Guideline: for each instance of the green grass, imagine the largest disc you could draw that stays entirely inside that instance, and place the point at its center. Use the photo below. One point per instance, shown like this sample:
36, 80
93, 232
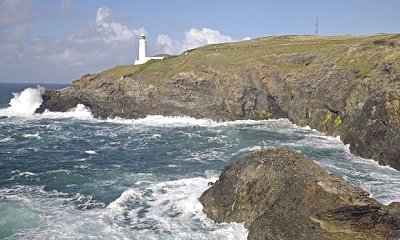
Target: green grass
358, 53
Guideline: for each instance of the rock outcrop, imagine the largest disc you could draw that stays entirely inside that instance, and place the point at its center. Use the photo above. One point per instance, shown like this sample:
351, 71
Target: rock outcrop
280, 194
347, 86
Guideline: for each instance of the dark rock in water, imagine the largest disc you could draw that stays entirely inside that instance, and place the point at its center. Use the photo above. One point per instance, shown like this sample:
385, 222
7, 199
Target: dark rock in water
280, 194
343, 85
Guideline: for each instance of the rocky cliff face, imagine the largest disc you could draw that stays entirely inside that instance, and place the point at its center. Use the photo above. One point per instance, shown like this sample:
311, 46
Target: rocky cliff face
347, 86
280, 194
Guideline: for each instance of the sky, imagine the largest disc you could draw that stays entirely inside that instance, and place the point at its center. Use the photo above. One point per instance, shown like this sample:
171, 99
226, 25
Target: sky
58, 41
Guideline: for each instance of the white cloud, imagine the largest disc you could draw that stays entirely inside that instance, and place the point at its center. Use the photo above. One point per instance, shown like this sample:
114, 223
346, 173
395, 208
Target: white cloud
14, 11
168, 45
197, 37
246, 38
114, 31
105, 41
102, 43
193, 38
102, 13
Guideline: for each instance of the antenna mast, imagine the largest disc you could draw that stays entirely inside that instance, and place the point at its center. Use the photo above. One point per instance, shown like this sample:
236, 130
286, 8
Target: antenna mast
316, 26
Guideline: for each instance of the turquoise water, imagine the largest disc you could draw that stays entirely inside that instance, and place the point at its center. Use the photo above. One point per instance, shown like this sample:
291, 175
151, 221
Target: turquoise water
68, 175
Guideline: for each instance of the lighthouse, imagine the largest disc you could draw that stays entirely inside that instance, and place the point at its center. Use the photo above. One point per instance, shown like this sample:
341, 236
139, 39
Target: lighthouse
142, 56
142, 50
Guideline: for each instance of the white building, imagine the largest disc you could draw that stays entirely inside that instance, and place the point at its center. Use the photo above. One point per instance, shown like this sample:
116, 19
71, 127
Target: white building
143, 58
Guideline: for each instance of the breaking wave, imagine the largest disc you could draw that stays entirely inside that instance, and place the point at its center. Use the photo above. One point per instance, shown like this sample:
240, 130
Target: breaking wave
79, 112
24, 103
185, 121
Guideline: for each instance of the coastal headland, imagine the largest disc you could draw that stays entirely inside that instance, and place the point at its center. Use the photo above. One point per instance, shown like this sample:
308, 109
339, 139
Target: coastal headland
340, 85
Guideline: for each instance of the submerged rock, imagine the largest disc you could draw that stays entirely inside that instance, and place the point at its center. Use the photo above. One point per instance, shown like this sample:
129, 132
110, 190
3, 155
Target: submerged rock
280, 194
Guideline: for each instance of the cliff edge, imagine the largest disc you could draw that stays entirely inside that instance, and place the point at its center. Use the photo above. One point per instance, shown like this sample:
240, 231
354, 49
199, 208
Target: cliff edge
344, 85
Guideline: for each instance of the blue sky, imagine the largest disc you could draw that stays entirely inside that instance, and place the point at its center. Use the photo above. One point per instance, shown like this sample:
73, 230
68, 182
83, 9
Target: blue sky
60, 40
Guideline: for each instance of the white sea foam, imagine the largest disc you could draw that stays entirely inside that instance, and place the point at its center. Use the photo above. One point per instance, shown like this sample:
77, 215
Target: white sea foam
182, 121
171, 208
56, 219
91, 152
82, 166
36, 135
250, 149
27, 174
155, 136
172, 165
163, 121
59, 171
204, 156
119, 205
18, 174
24, 103
6, 139
79, 112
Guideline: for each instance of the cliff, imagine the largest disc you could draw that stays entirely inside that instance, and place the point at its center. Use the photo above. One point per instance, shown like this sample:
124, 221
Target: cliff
346, 85
280, 194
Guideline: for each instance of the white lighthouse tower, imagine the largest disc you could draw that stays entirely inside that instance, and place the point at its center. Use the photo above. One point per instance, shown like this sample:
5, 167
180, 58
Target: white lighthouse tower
143, 58
142, 50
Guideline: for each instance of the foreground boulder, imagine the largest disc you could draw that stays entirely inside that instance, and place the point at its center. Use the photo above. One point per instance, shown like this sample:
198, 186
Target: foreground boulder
280, 194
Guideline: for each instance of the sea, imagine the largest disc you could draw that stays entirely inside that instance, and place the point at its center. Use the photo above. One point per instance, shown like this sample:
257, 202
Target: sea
71, 176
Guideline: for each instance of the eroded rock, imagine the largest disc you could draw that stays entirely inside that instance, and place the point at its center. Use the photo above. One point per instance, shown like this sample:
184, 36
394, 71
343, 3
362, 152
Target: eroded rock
280, 194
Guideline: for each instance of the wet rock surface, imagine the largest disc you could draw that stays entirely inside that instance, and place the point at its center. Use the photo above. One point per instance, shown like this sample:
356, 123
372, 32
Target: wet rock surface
280, 194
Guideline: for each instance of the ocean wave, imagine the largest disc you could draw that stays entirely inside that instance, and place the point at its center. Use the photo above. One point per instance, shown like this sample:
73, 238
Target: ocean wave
53, 214
185, 121
164, 121
24, 103
80, 112
36, 135
17, 174
6, 139
91, 152
150, 210
170, 208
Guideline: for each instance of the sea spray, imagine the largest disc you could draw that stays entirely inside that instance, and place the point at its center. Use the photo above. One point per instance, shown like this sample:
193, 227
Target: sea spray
79, 112
26, 102
185, 121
